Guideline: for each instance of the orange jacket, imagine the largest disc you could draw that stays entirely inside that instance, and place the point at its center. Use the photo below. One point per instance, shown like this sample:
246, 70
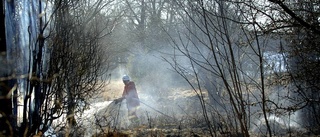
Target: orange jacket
131, 95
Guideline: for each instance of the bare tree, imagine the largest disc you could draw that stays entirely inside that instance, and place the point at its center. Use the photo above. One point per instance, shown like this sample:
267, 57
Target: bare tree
229, 54
78, 57
226, 54
302, 53
65, 67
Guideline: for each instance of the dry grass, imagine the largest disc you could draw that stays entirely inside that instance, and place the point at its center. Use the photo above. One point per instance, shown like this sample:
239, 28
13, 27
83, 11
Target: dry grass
113, 90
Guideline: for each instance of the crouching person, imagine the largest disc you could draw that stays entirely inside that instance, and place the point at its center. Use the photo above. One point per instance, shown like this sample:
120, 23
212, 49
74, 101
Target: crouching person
131, 96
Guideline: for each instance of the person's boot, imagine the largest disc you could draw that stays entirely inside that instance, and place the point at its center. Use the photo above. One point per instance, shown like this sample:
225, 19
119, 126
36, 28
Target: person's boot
134, 121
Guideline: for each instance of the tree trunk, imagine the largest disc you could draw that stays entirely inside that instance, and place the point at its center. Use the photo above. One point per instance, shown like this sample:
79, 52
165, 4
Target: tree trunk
5, 97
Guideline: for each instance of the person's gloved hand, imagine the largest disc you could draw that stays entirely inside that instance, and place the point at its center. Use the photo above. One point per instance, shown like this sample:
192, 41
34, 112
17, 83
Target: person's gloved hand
116, 101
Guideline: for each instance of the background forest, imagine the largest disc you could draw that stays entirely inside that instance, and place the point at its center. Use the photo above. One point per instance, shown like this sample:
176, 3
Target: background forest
202, 67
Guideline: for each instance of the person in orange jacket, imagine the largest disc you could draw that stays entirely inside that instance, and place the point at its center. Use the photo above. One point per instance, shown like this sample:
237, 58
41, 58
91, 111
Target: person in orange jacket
131, 96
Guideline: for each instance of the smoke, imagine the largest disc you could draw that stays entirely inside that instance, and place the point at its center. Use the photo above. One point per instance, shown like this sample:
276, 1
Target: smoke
159, 86
154, 77
280, 125
281, 121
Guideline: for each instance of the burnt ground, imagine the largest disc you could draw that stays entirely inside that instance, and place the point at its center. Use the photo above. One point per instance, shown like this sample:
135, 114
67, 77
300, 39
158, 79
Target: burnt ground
176, 114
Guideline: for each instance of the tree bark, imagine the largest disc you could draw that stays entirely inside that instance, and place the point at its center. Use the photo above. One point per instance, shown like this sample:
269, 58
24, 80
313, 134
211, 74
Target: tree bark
5, 97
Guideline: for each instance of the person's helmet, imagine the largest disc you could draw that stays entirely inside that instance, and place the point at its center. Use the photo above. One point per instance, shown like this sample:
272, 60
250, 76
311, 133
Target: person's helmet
125, 78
